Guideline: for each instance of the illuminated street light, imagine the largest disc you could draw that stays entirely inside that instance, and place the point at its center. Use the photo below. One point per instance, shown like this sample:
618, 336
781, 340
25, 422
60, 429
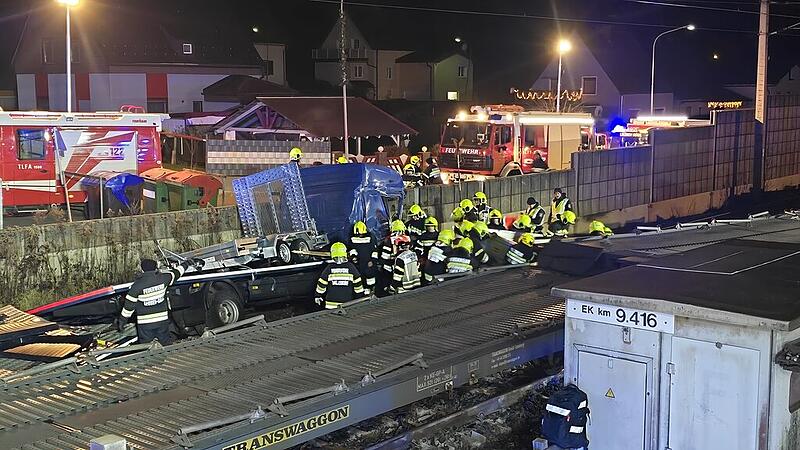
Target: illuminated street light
69, 4
689, 27
563, 47
255, 29
715, 56
457, 39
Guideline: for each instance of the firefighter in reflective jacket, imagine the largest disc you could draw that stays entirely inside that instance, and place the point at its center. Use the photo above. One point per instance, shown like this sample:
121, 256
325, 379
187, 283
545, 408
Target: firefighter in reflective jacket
597, 228
364, 254
405, 274
295, 155
537, 214
479, 232
147, 298
432, 173
428, 238
460, 259
522, 252
470, 213
386, 255
481, 205
464, 228
411, 176
416, 221
457, 215
496, 220
561, 227
340, 282
559, 206
436, 264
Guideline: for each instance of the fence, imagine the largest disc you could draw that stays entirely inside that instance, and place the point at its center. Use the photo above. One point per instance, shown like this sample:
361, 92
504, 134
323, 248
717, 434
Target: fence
782, 155
240, 157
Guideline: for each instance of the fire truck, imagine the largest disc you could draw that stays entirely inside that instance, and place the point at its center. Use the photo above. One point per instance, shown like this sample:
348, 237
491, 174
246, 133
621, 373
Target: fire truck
502, 140
41, 152
637, 131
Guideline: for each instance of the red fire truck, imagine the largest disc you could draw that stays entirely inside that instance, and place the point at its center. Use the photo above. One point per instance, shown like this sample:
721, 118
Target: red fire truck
40, 152
502, 140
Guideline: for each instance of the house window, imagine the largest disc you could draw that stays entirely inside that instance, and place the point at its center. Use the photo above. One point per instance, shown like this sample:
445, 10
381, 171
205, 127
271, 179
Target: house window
188, 49
47, 51
157, 106
389, 73
589, 85
269, 67
197, 106
358, 71
452, 95
356, 43
462, 71
30, 144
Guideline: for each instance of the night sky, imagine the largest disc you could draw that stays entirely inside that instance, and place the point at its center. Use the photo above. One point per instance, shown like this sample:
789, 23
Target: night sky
510, 40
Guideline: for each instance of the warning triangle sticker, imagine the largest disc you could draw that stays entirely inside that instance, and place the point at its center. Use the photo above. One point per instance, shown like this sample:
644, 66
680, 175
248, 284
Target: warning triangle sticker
610, 393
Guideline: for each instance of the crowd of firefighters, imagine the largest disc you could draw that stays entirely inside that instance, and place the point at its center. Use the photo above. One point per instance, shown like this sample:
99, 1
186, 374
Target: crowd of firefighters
417, 251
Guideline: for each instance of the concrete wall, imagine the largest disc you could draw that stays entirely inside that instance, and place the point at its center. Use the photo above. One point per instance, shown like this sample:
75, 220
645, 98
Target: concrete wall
613, 179
241, 157
39, 264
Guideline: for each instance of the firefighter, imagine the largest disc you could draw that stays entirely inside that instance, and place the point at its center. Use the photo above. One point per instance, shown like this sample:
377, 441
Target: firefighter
460, 259
147, 298
417, 163
426, 240
342, 160
559, 206
522, 224
340, 282
537, 214
405, 273
364, 254
415, 225
432, 173
387, 254
464, 228
479, 232
469, 210
597, 228
295, 155
457, 215
496, 220
481, 205
436, 264
523, 251
411, 176
561, 227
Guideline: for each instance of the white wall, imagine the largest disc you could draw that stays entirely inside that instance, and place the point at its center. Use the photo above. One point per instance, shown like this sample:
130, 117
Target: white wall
100, 92
57, 91
276, 54
183, 89
26, 91
125, 89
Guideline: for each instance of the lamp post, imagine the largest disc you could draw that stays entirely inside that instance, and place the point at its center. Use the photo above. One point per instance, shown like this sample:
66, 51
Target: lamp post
69, 4
563, 47
689, 27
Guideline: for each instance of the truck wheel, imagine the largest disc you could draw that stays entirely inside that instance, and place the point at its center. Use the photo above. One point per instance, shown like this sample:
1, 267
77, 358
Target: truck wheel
302, 246
224, 308
513, 173
284, 252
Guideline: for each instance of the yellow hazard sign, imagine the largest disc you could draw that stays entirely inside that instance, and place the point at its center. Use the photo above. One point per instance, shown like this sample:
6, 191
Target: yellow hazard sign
610, 393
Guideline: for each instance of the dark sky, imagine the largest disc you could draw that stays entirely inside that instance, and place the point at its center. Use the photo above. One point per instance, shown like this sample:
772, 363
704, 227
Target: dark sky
509, 40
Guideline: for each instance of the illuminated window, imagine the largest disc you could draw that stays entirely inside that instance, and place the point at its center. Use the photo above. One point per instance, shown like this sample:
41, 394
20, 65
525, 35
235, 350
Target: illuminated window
358, 71
589, 85
452, 95
187, 49
462, 71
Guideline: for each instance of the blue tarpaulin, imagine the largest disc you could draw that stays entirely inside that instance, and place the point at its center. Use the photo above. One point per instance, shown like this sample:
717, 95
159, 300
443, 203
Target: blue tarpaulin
116, 183
340, 195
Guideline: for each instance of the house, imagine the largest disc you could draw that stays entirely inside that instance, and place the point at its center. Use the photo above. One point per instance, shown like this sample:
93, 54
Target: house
382, 65
123, 55
608, 85
273, 59
235, 90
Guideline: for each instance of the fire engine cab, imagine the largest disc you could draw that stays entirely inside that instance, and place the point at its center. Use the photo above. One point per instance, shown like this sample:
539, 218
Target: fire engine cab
40, 152
503, 140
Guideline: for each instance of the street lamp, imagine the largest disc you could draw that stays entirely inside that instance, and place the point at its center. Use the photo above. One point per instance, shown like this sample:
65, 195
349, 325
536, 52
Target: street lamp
457, 39
69, 4
689, 27
563, 47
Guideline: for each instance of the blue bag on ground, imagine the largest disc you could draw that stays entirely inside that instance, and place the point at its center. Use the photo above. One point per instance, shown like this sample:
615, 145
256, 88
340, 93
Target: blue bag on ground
564, 421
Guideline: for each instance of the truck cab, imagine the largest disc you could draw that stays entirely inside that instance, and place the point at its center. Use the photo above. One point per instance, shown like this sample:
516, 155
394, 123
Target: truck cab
504, 140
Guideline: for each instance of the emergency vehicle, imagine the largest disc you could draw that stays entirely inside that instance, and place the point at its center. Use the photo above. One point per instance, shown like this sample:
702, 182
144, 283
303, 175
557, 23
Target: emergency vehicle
40, 152
637, 131
502, 140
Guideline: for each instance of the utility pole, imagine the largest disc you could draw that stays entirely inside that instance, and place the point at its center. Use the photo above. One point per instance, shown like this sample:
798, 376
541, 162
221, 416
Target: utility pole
346, 137
761, 97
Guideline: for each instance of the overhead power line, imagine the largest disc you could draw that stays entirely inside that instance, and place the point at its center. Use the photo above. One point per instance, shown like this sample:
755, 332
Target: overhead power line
521, 16
706, 8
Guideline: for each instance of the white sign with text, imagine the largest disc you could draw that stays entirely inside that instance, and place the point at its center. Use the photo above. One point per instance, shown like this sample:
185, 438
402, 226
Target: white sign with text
624, 317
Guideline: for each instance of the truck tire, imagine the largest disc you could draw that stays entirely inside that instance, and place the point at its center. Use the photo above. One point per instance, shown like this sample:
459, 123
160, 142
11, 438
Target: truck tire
301, 245
224, 306
284, 252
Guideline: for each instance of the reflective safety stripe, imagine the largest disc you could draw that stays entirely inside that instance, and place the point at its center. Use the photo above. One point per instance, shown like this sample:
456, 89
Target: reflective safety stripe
131, 298
370, 281
557, 410
514, 256
332, 305
153, 318
576, 429
359, 240
583, 405
127, 313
